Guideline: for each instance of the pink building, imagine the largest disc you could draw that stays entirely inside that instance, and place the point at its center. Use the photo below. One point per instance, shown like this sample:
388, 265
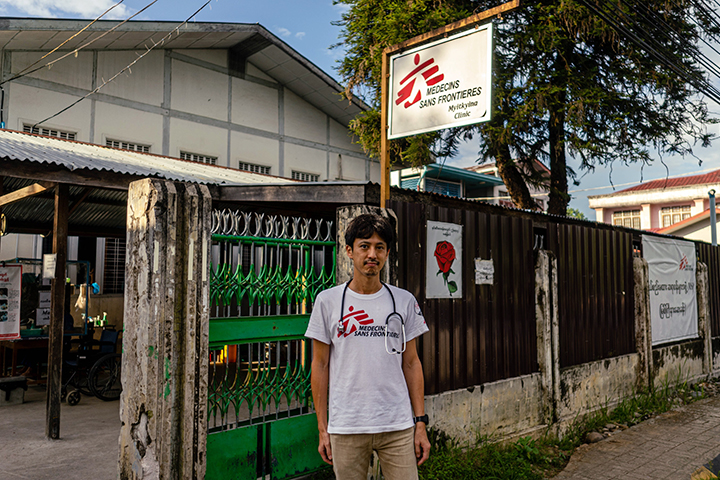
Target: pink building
677, 206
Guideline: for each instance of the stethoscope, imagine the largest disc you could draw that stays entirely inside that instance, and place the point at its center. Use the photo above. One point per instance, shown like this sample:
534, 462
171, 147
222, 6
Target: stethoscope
393, 316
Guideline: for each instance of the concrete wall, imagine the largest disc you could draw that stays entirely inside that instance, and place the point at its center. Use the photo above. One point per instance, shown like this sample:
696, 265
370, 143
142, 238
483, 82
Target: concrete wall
185, 100
553, 397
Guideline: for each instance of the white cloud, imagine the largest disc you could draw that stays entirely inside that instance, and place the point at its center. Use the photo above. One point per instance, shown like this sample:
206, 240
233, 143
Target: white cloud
59, 8
341, 8
299, 35
284, 32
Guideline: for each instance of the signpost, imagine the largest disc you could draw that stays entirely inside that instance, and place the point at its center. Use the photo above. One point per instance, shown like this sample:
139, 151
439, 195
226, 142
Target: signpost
436, 80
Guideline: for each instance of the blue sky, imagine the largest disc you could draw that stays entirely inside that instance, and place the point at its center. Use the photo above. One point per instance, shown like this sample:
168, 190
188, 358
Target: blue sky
306, 26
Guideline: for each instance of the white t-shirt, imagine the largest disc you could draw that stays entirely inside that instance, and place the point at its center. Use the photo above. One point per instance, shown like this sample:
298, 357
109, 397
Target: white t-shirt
368, 392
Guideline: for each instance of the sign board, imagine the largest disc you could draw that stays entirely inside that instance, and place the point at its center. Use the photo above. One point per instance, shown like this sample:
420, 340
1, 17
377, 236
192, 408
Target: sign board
443, 275
484, 272
10, 288
42, 316
49, 265
673, 307
443, 84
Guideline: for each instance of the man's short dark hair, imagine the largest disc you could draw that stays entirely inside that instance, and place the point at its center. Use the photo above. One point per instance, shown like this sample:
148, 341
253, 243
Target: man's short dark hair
365, 225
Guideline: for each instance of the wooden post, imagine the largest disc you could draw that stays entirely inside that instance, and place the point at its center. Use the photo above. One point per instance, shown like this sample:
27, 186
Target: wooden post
384, 153
384, 87
57, 312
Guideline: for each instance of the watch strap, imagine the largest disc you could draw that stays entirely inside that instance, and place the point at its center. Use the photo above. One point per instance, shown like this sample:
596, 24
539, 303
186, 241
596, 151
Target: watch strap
422, 418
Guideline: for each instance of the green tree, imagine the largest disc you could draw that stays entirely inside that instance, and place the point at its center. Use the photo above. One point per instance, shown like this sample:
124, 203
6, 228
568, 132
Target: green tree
575, 213
565, 82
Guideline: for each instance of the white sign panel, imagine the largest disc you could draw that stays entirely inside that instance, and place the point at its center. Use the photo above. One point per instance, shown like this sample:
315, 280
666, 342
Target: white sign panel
673, 307
443, 276
10, 285
49, 264
484, 272
42, 315
446, 83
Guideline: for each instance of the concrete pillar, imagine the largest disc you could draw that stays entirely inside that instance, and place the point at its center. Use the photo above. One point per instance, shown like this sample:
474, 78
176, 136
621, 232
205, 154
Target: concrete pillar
703, 308
344, 268
546, 326
600, 215
698, 206
165, 345
646, 220
643, 327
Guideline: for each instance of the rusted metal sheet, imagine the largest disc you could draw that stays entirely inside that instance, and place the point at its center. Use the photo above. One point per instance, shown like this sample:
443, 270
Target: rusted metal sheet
711, 257
490, 333
595, 292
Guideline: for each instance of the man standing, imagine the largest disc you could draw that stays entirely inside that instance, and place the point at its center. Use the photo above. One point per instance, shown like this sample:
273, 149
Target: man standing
364, 350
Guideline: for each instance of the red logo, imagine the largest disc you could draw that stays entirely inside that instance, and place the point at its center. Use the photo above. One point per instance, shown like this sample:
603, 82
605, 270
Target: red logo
683, 263
353, 319
406, 92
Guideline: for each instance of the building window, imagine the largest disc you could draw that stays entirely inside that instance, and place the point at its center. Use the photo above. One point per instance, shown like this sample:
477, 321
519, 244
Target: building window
673, 215
127, 145
251, 167
114, 276
443, 188
305, 177
627, 218
49, 132
194, 157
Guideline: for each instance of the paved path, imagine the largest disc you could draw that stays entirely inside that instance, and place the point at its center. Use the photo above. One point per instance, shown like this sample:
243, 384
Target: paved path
87, 449
670, 446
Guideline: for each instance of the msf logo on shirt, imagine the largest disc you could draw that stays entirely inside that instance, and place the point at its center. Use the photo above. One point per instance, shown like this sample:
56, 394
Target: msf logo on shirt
354, 320
429, 72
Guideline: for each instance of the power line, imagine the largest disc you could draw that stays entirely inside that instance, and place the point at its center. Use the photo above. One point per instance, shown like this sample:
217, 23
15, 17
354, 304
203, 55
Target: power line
24, 73
127, 68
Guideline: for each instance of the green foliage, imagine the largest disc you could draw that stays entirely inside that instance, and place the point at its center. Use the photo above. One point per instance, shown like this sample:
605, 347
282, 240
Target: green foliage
564, 83
575, 213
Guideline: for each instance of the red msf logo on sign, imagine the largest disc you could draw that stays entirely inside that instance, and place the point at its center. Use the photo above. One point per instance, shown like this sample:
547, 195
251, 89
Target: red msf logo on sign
353, 319
427, 70
683, 263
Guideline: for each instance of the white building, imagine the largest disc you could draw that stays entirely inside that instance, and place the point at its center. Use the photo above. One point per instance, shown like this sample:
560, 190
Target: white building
229, 94
678, 206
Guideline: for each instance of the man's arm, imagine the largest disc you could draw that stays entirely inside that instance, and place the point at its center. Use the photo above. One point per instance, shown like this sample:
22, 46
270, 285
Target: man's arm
319, 383
412, 369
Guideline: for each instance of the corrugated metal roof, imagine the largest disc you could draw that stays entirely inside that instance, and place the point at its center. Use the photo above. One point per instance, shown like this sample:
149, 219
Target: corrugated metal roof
712, 177
77, 155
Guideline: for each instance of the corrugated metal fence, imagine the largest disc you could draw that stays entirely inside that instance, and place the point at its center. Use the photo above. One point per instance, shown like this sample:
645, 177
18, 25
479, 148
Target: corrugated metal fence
710, 256
491, 333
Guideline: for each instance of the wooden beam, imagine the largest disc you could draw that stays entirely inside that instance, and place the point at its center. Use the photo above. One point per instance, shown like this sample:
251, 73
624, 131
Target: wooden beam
56, 173
79, 201
57, 312
29, 191
328, 193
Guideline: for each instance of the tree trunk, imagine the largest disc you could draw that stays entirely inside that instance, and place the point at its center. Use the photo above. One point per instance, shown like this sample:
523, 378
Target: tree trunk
558, 197
516, 186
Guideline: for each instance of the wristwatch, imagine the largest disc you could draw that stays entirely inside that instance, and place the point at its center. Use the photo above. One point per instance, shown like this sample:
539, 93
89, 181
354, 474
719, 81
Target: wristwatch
422, 418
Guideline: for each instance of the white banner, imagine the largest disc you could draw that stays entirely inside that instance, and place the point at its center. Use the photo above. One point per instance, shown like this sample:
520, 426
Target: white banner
443, 275
673, 307
446, 83
10, 285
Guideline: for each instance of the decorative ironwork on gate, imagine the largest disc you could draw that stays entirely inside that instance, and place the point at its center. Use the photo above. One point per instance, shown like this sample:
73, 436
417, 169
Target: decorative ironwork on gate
266, 273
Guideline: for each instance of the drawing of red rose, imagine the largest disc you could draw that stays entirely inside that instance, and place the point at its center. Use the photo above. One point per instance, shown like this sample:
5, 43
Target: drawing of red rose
445, 256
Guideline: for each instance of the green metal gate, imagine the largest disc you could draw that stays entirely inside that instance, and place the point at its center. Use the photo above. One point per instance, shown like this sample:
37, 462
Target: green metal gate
266, 272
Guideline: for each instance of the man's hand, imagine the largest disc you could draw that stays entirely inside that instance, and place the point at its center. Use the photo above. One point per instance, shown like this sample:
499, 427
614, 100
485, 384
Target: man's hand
422, 444
325, 449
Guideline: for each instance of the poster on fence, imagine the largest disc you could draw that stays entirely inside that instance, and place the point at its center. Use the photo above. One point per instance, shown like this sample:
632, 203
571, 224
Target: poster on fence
671, 282
10, 284
443, 275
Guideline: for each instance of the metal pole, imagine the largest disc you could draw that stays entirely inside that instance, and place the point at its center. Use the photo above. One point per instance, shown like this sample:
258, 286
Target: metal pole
713, 219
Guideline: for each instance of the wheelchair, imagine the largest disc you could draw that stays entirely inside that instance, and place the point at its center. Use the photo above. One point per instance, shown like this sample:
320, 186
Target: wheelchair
93, 369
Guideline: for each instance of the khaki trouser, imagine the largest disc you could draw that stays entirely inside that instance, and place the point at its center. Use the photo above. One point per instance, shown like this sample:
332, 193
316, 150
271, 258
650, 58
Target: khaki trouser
396, 450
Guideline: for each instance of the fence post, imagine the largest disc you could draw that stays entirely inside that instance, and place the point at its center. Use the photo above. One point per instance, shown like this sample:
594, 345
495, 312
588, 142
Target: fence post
643, 326
546, 327
344, 268
703, 296
165, 345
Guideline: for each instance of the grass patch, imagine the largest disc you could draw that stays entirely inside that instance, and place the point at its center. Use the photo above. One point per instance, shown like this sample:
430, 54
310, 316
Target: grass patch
530, 459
